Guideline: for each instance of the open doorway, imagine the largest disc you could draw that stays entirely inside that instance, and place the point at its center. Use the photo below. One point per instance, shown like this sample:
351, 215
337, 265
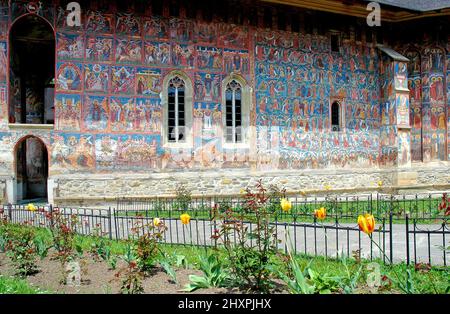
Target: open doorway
31, 159
32, 71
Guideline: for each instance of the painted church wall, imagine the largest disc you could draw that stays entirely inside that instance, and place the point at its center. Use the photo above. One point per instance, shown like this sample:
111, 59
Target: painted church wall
109, 110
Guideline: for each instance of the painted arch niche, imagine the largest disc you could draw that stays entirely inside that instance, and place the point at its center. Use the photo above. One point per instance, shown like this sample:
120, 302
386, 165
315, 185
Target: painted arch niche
31, 71
31, 163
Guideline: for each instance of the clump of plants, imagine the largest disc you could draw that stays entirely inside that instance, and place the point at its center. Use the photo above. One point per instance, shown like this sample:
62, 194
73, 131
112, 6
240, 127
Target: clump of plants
249, 250
183, 197
147, 247
63, 237
130, 275
21, 250
101, 250
214, 274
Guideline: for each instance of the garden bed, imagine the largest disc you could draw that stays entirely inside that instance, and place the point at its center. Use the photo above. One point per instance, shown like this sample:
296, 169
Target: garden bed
100, 279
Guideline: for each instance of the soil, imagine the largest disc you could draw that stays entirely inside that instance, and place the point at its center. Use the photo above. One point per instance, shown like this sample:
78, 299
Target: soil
97, 278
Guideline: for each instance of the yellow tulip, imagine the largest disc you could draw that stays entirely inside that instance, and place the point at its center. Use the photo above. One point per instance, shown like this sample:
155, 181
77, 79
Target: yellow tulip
366, 223
320, 213
380, 183
285, 205
185, 218
156, 222
327, 187
31, 207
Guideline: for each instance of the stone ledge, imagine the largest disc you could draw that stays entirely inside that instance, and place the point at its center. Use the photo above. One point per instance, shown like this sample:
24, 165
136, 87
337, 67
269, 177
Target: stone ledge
384, 190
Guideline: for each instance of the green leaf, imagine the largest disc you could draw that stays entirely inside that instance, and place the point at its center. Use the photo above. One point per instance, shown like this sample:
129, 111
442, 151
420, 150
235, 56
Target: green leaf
169, 270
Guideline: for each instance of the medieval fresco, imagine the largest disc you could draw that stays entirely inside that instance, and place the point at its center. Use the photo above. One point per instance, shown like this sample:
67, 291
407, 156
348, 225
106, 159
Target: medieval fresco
109, 95
69, 76
72, 151
127, 151
96, 78
70, 46
67, 112
294, 88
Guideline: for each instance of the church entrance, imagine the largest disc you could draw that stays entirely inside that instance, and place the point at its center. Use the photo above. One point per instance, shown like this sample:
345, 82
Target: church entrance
31, 159
32, 71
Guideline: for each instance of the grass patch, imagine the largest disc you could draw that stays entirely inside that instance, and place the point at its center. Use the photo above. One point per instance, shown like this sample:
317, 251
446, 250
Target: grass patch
12, 285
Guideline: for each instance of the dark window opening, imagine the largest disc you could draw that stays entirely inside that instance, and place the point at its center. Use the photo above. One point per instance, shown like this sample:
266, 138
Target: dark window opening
281, 20
335, 119
335, 44
207, 12
176, 110
157, 7
174, 9
358, 33
32, 71
368, 36
379, 37
267, 20
308, 24
295, 23
233, 112
253, 17
191, 10
31, 159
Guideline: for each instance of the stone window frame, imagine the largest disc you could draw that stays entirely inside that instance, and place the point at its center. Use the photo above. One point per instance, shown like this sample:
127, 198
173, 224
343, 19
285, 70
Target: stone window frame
245, 111
188, 108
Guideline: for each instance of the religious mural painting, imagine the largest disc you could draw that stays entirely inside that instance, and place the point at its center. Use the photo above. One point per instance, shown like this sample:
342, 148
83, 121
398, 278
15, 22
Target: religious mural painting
122, 79
127, 151
109, 81
96, 78
157, 54
122, 114
70, 46
127, 24
99, 48
128, 51
72, 151
95, 112
67, 112
148, 82
69, 76
207, 142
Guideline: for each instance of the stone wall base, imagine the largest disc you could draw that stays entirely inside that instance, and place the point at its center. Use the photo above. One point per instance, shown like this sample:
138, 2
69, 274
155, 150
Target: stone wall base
98, 189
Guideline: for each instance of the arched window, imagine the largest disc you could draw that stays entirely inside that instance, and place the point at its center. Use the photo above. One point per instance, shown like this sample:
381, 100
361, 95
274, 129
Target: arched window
177, 107
176, 111
335, 117
233, 112
236, 102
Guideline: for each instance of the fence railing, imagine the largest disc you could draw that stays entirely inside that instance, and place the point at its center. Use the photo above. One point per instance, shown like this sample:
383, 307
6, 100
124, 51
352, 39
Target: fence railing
420, 206
420, 236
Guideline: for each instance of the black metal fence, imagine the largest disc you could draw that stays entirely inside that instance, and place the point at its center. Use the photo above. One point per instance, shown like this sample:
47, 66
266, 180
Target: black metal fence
408, 228
420, 206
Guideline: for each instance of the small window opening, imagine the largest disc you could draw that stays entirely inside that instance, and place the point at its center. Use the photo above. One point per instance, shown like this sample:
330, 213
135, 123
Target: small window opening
335, 119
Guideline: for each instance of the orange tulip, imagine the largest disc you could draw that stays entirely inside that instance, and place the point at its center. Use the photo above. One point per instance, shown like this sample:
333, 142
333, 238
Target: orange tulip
366, 223
320, 213
185, 218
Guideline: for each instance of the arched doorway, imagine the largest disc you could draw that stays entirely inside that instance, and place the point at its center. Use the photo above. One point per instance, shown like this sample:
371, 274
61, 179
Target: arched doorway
31, 160
32, 70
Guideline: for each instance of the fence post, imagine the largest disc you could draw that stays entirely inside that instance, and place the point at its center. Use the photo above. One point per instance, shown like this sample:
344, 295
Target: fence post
407, 238
110, 223
50, 209
10, 212
391, 246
